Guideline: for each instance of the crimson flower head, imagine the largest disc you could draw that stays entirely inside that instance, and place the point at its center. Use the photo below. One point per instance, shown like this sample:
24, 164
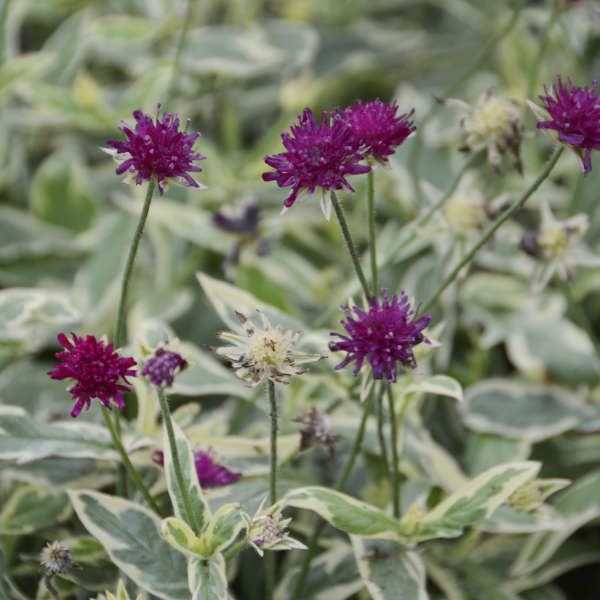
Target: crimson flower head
384, 336
377, 127
157, 150
317, 156
96, 369
575, 114
210, 472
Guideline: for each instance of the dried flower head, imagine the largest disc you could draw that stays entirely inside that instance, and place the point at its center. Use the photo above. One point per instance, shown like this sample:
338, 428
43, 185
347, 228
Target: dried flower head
96, 368
494, 122
268, 531
466, 211
318, 429
575, 115
157, 150
265, 352
211, 473
377, 127
162, 367
384, 336
317, 156
56, 559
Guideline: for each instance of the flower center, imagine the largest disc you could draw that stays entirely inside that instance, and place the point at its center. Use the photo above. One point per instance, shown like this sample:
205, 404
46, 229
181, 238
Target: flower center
553, 240
494, 117
269, 348
464, 212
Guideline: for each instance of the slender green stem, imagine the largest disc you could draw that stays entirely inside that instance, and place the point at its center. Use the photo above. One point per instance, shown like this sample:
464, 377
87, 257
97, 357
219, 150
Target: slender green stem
372, 239
187, 20
128, 464
235, 548
50, 587
120, 328
312, 543
542, 48
183, 490
270, 557
513, 208
394, 441
380, 420
581, 316
339, 211
486, 51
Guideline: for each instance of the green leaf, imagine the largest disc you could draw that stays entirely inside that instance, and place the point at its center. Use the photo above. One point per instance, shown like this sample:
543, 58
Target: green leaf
519, 410
131, 536
21, 67
24, 440
30, 509
121, 29
223, 528
476, 501
346, 513
441, 385
578, 505
486, 450
207, 578
199, 507
405, 580
180, 536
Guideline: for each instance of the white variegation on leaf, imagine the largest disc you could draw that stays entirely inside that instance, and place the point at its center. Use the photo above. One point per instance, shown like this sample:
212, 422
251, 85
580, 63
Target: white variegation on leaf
207, 578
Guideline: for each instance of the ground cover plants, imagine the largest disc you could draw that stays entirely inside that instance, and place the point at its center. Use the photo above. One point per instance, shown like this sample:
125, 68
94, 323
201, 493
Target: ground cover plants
335, 336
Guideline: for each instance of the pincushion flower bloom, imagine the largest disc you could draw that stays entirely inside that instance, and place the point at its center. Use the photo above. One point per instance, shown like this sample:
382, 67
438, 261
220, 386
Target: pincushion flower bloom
383, 336
209, 471
377, 127
162, 367
56, 559
494, 123
158, 150
574, 114
317, 156
96, 368
265, 352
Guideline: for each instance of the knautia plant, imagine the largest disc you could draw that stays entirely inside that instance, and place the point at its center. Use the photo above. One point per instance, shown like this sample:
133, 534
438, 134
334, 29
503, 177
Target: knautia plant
424, 430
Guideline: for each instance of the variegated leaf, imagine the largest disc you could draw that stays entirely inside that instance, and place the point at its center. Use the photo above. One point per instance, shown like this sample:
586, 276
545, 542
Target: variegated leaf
223, 528
131, 536
476, 501
346, 513
207, 579
441, 385
199, 507
389, 570
180, 535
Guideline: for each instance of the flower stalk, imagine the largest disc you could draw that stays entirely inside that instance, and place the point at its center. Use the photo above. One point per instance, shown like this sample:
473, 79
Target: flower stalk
394, 441
270, 558
372, 238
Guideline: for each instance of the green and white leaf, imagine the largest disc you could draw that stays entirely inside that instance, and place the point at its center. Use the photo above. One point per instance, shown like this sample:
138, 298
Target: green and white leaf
131, 536
389, 570
441, 385
29, 509
471, 504
199, 507
207, 578
577, 506
346, 513
24, 440
223, 528
180, 535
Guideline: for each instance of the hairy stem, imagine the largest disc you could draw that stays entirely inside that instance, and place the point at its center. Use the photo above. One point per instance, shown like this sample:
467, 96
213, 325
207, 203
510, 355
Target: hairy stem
512, 209
312, 543
50, 587
372, 240
270, 556
380, 435
394, 443
339, 211
137, 480
183, 490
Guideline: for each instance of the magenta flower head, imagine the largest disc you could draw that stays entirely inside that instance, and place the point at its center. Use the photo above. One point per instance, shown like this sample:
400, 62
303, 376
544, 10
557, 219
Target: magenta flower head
384, 336
96, 368
162, 367
377, 127
575, 115
210, 472
318, 156
157, 150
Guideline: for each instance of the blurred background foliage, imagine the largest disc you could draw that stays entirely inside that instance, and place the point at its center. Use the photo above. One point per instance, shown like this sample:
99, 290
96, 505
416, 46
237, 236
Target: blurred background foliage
72, 69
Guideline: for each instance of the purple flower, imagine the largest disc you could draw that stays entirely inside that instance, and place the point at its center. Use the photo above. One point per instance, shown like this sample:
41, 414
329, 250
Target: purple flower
377, 127
162, 367
95, 368
384, 335
157, 150
210, 473
575, 115
317, 156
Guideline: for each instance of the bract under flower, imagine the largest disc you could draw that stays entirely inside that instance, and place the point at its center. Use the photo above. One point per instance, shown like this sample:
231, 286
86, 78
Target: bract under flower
265, 352
383, 336
96, 368
317, 156
157, 150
